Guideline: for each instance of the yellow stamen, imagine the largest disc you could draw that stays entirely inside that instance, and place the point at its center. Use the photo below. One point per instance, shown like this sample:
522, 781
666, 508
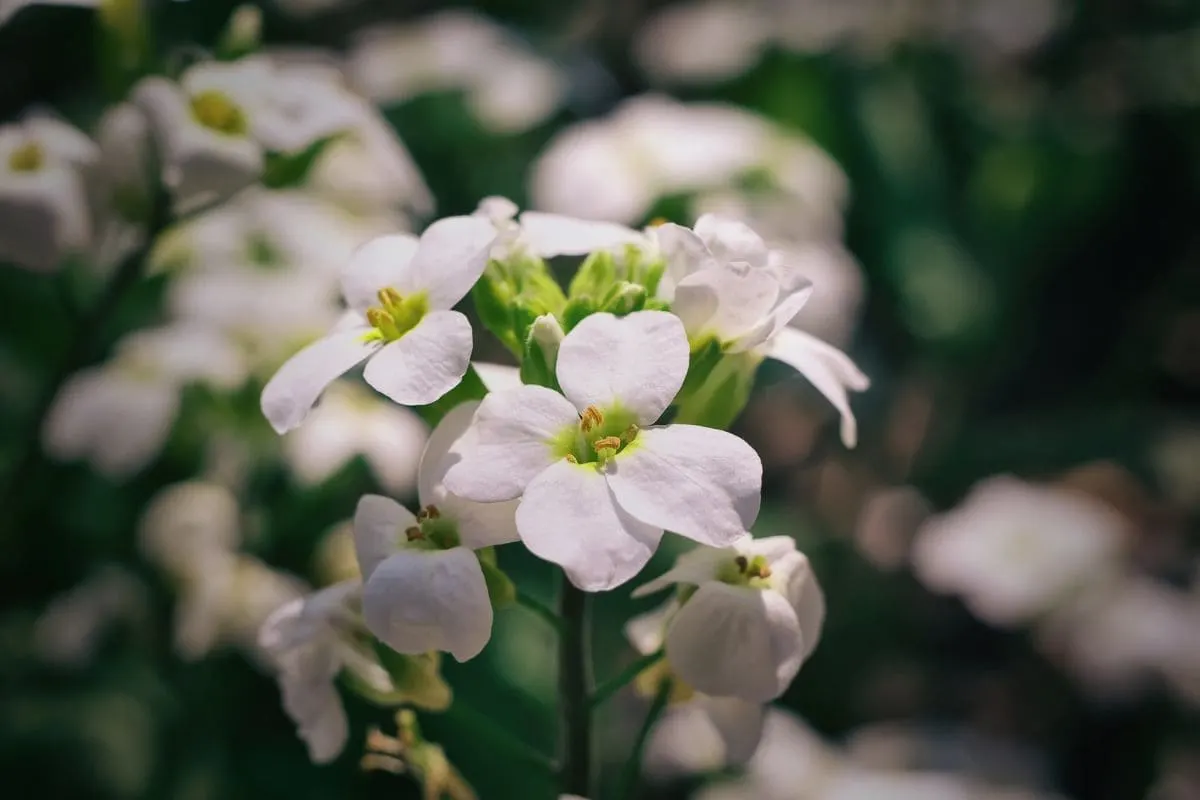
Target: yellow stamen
590, 419
607, 443
572, 459
215, 111
28, 157
414, 533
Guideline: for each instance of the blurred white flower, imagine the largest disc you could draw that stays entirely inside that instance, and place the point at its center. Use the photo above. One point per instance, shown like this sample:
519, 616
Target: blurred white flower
652, 146
725, 284
185, 524
118, 415
583, 462
350, 421
423, 586
751, 615
216, 124
507, 87
72, 627
123, 187
44, 211
545, 235
402, 291
1015, 551
699, 733
702, 42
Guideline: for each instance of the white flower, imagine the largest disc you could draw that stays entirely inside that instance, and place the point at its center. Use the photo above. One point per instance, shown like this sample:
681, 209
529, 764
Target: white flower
725, 284
215, 126
123, 188
597, 487
72, 627
506, 87
1014, 550
309, 641
753, 617
119, 415
187, 522
703, 41
419, 348
700, 733
424, 588
44, 213
348, 422
545, 235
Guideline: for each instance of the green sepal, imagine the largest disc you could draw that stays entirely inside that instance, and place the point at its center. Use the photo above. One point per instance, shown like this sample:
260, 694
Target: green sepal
624, 298
287, 170
595, 276
535, 368
577, 309
718, 400
501, 589
416, 680
471, 387
493, 299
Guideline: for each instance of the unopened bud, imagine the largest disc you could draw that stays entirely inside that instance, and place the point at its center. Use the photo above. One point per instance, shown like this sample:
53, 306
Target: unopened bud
548, 334
243, 33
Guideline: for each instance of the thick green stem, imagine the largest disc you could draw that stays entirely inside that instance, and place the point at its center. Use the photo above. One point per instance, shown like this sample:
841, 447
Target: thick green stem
633, 767
574, 681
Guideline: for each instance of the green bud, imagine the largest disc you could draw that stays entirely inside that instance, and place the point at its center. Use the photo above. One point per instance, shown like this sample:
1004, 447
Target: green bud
577, 308
717, 398
541, 352
493, 300
243, 33
625, 299
124, 44
595, 277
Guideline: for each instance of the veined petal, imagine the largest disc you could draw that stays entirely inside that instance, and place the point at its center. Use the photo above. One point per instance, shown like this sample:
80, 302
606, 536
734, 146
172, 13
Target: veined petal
726, 301
568, 517
731, 240
479, 524
684, 251
738, 722
511, 443
696, 566
381, 262
498, 377
316, 708
637, 362
550, 235
699, 482
290, 394
450, 257
422, 600
379, 526
425, 363
736, 641
778, 319
828, 369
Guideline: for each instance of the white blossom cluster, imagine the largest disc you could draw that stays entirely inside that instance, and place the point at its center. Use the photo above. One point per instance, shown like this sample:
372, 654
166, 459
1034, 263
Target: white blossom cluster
589, 452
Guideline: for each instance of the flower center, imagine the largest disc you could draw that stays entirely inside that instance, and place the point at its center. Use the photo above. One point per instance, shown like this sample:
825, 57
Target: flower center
27, 157
742, 571
598, 437
433, 531
396, 315
217, 112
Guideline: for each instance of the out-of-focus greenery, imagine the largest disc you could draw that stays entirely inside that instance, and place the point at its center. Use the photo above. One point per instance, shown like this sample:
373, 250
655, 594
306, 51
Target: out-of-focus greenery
1028, 230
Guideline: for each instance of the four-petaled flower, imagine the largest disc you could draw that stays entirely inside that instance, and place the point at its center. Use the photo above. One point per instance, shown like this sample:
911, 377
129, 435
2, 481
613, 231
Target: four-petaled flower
597, 486
401, 291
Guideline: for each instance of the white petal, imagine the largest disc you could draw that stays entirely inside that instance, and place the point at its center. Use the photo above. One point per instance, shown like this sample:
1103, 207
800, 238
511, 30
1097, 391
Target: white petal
290, 394
695, 567
778, 319
393, 439
828, 369
684, 252
568, 517
699, 482
383, 261
550, 235
425, 363
316, 708
637, 362
727, 301
479, 524
379, 526
511, 443
739, 723
737, 642
498, 377
451, 256
731, 240
645, 631
422, 600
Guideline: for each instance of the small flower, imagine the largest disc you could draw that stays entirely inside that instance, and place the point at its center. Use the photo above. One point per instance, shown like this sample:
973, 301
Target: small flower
123, 187
750, 615
401, 290
349, 421
44, 212
73, 626
119, 415
424, 588
185, 523
1015, 550
598, 486
726, 285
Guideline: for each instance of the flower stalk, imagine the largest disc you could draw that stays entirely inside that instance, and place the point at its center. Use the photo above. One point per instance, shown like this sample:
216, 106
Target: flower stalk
574, 680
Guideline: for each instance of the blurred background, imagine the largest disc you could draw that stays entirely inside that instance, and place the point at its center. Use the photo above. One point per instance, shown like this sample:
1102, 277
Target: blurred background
997, 204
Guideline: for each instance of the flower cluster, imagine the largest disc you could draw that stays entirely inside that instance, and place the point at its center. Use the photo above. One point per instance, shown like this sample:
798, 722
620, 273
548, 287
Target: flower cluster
607, 435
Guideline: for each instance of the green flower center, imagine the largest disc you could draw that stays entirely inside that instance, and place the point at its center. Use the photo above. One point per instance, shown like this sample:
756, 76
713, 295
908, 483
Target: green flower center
741, 571
598, 437
432, 531
396, 315
27, 157
217, 112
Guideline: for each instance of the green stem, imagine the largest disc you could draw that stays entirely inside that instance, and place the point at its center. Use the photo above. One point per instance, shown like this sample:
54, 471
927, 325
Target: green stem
633, 767
574, 680
540, 609
622, 679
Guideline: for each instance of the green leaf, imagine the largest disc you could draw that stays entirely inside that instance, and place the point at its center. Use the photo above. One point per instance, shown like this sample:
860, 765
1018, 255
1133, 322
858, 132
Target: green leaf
286, 170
